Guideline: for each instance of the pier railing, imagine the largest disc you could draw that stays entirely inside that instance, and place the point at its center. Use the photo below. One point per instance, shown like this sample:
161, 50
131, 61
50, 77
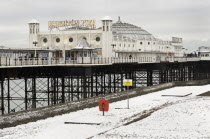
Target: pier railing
4, 61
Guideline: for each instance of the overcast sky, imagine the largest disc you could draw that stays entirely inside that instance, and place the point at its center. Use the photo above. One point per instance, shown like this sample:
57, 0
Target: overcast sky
189, 19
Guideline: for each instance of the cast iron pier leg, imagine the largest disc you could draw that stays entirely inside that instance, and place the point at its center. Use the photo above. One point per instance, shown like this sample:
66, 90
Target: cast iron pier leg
34, 92
8, 95
2, 96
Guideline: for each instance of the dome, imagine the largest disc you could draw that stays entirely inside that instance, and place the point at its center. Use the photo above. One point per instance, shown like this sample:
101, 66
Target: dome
33, 21
127, 30
106, 18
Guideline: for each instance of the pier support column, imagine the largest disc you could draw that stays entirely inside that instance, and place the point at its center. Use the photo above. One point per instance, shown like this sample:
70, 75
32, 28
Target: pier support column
26, 94
63, 90
34, 92
8, 94
149, 78
2, 96
84, 85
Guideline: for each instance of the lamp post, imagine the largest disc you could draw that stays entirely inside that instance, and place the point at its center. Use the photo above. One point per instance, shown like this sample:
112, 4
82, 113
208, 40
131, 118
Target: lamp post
113, 45
35, 43
185, 51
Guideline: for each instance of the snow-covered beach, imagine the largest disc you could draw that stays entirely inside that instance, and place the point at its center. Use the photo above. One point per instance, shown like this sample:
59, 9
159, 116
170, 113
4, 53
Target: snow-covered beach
149, 116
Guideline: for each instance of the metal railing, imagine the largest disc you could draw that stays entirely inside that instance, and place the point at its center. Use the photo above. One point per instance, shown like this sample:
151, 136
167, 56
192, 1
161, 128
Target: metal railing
4, 61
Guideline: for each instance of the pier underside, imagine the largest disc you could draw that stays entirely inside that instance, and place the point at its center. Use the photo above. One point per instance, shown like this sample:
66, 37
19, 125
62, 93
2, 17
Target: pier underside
24, 88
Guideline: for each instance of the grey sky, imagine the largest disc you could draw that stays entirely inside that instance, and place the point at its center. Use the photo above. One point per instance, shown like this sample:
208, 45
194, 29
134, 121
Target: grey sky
189, 19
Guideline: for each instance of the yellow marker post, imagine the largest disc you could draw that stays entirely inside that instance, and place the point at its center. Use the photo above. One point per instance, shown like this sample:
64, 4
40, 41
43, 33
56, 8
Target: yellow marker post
127, 82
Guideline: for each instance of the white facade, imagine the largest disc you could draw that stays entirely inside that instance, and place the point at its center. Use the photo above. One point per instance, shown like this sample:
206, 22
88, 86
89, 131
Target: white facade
204, 52
115, 39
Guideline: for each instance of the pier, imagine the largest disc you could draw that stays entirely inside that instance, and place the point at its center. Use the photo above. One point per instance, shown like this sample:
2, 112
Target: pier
32, 86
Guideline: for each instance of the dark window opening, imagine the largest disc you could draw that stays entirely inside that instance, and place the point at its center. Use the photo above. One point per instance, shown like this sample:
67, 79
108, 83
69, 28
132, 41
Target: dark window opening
97, 39
45, 40
71, 40
58, 40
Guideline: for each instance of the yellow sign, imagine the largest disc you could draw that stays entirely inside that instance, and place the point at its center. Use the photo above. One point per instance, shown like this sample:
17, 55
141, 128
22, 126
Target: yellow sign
81, 23
127, 82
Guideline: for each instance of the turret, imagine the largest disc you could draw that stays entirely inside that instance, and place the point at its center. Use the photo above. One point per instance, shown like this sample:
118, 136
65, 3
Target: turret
106, 36
33, 32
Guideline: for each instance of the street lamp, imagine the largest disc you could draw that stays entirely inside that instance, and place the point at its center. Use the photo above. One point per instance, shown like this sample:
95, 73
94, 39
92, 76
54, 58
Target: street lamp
113, 45
35, 43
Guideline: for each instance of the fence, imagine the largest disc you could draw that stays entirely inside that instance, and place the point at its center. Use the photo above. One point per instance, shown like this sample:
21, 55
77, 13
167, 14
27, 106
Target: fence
4, 61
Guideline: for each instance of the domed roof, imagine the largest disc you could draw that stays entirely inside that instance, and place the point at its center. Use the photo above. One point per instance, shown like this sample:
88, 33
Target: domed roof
121, 29
106, 18
33, 21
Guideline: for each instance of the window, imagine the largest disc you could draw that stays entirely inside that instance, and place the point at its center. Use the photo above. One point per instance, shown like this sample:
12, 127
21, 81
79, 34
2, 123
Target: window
85, 54
57, 40
97, 39
148, 43
45, 40
141, 43
71, 39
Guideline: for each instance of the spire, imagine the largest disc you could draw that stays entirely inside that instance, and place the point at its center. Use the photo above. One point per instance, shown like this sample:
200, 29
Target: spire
119, 21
